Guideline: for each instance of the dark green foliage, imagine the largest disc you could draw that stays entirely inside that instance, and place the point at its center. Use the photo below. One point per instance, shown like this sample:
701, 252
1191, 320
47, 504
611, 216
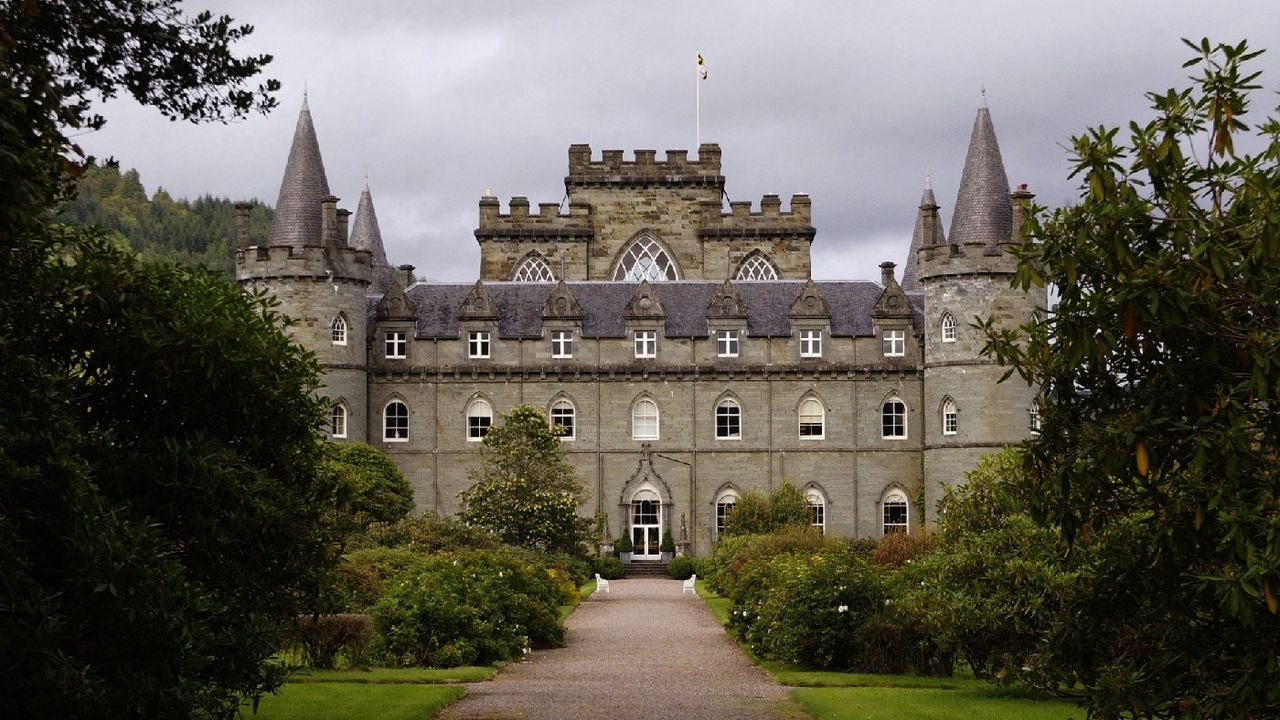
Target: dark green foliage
623, 545
324, 637
758, 513
1160, 377
198, 232
525, 491
680, 568
739, 564
575, 567
429, 533
610, 568
470, 607
668, 544
370, 488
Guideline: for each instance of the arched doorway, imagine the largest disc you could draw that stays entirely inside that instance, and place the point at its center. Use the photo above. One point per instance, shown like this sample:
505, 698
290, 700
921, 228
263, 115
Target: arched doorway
646, 525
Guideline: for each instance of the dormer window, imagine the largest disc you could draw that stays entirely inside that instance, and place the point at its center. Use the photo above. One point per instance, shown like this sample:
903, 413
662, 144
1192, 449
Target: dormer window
562, 344
646, 343
810, 343
396, 345
727, 343
478, 344
894, 343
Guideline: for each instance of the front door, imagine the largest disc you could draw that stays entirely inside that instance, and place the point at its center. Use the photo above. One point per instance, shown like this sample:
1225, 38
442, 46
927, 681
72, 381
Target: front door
646, 528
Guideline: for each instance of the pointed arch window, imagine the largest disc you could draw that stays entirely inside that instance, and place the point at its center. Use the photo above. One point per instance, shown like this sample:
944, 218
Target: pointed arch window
1033, 420
948, 327
950, 417
812, 419
817, 509
893, 419
644, 420
479, 419
562, 416
395, 422
757, 267
895, 512
725, 503
645, 259
533, 268
728, 420
338, 421
338, 330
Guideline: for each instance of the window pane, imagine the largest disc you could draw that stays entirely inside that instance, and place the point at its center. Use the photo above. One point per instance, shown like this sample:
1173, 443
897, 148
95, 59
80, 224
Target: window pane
645, 259
757, 267
533, 269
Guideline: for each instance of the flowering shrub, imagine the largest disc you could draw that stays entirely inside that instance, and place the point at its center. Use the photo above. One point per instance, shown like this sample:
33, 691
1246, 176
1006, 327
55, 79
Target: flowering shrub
739, 563
468, 607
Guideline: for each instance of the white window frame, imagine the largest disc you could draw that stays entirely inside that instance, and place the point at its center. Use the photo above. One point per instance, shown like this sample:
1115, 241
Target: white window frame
950, 417
821, 423
731, 410
895, 498
886, 412
1033, 418
477, 410
338, 421
565, 409
562, 343
396, 344
817, 509
533, 268
479, 344
394, 432
338, 330
948, 328
728, 344
810, 343
646, 343
636, 427
725, 503
894, 343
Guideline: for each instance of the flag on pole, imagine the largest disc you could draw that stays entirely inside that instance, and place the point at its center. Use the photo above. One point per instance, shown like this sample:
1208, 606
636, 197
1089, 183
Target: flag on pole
702, 66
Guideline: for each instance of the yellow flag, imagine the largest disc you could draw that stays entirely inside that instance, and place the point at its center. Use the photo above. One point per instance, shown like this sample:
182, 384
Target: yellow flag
702, 66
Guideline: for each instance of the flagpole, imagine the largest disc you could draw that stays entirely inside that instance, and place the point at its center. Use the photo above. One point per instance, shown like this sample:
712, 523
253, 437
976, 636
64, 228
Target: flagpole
697, 102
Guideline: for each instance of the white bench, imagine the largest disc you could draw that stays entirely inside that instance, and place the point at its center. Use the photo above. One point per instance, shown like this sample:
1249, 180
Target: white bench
688, 585
601, 584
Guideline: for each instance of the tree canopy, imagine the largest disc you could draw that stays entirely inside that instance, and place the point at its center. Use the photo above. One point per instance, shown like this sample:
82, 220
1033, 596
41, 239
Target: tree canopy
757, 513
525, 491
1159, 371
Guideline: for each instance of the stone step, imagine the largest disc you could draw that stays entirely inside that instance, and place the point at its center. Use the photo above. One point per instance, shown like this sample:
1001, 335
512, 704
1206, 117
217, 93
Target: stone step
645, 569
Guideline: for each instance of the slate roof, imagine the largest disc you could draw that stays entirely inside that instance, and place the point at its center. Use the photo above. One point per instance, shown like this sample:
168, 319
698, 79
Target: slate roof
365, 235
768, 304
297, 216
983, 212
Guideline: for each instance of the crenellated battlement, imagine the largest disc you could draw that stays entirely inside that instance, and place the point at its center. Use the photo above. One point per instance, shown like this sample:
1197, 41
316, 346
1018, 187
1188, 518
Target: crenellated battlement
770, 219
644, 168
518, 222
967, 259
262, 262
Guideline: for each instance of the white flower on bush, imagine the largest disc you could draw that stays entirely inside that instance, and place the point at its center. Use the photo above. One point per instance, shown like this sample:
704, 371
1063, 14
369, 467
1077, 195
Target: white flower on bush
842, 609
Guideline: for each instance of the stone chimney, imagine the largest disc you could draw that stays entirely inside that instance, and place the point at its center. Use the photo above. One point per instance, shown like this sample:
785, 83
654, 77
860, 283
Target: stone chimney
886, 273
242, 224
1021, 211
344, 215
406, 275
328, 219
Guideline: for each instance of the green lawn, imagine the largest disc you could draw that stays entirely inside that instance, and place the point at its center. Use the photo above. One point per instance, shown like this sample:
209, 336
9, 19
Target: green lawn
380, 676
719, 605
345, 700
895, 703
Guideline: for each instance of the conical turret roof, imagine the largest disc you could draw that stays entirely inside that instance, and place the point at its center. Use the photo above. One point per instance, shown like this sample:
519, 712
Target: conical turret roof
297, 214
984, 213
928, 206
365, 235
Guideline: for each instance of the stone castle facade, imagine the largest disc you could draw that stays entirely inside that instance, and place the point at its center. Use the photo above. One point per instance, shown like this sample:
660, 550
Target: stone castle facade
685, 351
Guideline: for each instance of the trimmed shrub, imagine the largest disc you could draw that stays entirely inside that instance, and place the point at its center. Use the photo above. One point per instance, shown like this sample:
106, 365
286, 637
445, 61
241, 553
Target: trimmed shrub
681, 568
667, 544
623, 544
609, 567
898, 549
429, 533
739, 564
324, 637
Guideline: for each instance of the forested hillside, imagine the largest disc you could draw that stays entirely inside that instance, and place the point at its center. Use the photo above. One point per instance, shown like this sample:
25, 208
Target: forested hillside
192, 232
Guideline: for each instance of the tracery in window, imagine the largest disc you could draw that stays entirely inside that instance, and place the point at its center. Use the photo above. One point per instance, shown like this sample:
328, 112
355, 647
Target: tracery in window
948, 327
533, 268
338, 421
338, 330
757, 267
817, 509
725, 504
645, 259
950, 417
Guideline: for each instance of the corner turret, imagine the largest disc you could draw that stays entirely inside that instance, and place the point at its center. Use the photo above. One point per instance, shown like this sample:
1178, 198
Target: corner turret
928, 232
366, 235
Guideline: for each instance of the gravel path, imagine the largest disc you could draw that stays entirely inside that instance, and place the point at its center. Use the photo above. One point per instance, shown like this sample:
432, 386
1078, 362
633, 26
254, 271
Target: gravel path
642, 651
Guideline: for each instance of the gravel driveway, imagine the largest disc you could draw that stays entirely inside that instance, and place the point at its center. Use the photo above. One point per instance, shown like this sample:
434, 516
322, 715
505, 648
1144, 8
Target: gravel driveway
642, 651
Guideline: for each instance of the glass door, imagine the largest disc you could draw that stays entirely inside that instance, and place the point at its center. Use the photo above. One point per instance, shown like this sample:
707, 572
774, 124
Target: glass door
646, 527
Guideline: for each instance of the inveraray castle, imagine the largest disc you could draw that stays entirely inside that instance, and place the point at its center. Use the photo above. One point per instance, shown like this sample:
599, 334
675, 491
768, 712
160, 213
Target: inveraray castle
685, 350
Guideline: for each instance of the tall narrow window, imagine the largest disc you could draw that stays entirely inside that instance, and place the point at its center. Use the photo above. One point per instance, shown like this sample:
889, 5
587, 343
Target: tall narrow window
645, 259
896, 513
728, 420
396, 345
812, 419
338, 421
479, 418
395, 422
533, 268
644, 420
726, 343
562, 416
725, 504
893, 419
646, 343
817, 509
895, 343
478, 344
1034, 418
948, 327
562, 344
810, 343
950, 417
338, 330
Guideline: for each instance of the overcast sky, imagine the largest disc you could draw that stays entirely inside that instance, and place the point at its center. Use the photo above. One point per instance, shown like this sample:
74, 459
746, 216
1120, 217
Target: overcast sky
849, 102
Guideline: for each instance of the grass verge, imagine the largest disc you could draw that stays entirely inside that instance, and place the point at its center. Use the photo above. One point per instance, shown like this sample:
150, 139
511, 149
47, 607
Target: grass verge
397, 676
344, 700
894, 703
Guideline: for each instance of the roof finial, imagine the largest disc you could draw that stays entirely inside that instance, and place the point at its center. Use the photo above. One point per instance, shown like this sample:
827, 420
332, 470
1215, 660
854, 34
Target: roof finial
366, 175
984, 96
928, 179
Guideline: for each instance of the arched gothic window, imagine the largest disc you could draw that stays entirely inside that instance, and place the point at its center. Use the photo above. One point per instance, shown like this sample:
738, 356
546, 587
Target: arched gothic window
812, 419
562, 415
728, 420
645, 259
757, 267
338, 330
533, 268
817, 509
893, 418
725, 504
1033, 420
644, 420
950, 417
479, 418
395, 422
948, 327
896, 512
338, 421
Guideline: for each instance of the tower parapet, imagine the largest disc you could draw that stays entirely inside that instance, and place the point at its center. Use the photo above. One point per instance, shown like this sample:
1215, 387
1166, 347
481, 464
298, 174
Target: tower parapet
645, 169
770, 219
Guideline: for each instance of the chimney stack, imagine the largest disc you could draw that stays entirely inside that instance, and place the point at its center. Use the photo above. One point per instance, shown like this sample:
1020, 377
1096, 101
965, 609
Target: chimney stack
344, 215
242, 224
406, 275
328, 219
886, 273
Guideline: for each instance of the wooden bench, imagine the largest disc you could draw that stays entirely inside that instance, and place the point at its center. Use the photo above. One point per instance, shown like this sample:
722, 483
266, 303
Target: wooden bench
688, 585
601, 584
